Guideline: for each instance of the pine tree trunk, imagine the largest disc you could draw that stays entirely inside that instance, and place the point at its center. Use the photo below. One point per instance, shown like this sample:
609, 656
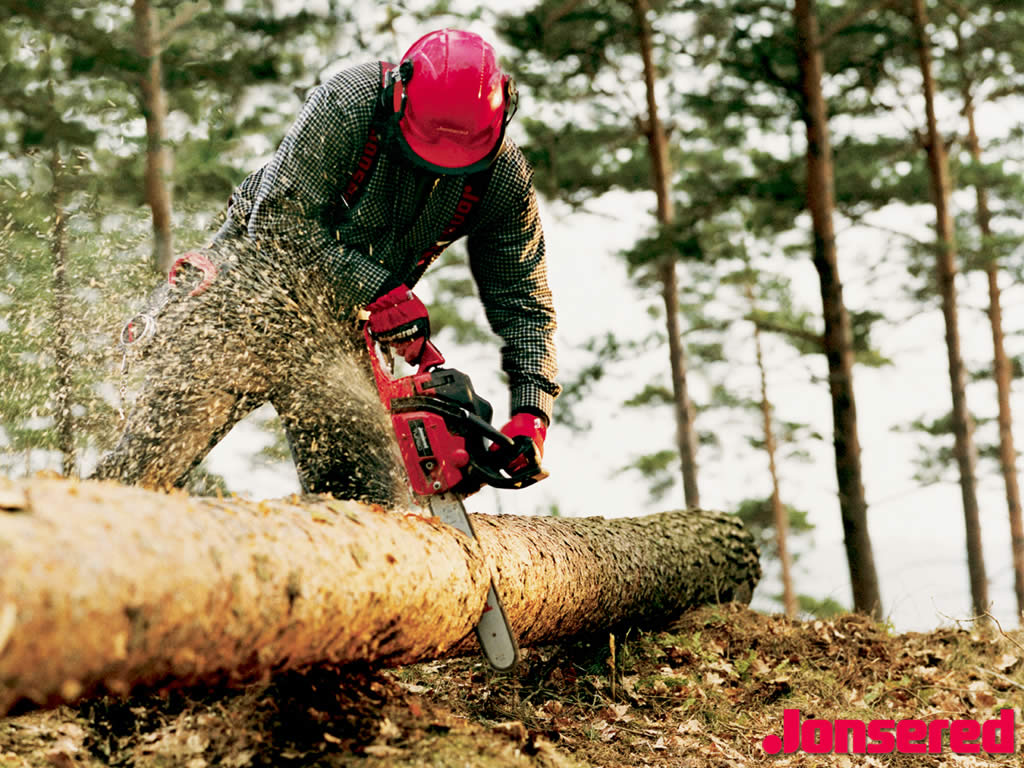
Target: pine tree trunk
158, 157
838, 337
1001, 368
945, 271
108, 588
686, 440
61, 322
1007, 451
779, 516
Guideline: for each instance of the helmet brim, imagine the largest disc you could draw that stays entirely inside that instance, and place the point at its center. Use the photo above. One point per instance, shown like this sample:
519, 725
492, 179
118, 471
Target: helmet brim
448, 157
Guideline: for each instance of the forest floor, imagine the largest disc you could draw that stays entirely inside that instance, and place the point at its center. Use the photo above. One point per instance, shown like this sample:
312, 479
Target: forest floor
704, 694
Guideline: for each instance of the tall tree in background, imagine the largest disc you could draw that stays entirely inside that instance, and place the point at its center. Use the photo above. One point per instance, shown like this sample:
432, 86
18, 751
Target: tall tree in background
581, 61
666, 266
61, 321
153, 101
64, 393
945, 273
838, 337
974, 64
780, 516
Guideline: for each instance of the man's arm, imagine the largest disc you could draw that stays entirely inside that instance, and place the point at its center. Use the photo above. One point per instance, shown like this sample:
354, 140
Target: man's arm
508, 262
299, 186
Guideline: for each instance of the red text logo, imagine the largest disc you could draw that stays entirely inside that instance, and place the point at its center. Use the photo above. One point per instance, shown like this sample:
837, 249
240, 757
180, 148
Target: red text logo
883, 737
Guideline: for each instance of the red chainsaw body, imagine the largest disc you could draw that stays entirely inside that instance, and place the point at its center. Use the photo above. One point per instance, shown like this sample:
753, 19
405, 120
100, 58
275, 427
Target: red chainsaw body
434, 456
444, 430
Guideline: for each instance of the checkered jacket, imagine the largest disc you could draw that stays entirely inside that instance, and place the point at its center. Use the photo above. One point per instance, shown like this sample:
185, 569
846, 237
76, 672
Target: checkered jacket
294, 202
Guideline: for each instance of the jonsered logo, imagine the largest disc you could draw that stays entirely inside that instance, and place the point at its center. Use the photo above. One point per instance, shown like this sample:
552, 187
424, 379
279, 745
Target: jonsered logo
883, 737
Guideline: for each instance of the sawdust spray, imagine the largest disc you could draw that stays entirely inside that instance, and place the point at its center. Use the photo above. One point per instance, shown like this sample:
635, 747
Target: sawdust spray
267, 328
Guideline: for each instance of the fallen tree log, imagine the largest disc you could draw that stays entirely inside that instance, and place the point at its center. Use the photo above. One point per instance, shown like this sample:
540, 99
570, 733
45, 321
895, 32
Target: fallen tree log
105, 588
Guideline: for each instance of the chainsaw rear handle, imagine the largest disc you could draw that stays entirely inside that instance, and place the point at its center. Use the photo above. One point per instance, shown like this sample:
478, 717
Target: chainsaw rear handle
488, 430
484, 466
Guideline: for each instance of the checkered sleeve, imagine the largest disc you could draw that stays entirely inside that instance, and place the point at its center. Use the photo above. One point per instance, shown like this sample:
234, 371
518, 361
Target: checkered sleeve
291, 208
507, 258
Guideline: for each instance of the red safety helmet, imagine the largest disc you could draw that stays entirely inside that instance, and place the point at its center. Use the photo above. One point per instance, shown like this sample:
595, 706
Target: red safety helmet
452, 102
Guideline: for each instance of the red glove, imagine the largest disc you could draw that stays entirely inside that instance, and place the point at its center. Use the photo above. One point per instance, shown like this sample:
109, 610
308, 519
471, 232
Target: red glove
531, 426
400, 320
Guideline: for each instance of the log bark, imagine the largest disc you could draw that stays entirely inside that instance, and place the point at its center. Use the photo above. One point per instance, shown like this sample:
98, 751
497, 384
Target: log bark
105, 588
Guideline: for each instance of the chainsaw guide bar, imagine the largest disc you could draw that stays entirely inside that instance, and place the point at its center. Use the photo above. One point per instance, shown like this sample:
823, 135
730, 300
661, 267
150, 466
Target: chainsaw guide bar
497, 640
451, 450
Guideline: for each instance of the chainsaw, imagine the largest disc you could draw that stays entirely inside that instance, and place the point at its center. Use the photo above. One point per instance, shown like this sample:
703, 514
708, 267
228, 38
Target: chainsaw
451, 450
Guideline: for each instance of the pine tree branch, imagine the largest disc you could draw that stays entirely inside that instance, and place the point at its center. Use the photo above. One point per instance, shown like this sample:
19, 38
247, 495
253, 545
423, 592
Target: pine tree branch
789, 87
772, 326
889, 230
1005, 91
560, 13
851, 18
180, 19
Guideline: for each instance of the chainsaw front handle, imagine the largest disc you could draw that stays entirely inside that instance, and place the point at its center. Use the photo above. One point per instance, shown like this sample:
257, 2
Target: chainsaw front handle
429, 356
495, 470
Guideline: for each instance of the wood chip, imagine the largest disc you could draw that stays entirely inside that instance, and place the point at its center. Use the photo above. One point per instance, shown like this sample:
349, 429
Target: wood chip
8, 618
12, 497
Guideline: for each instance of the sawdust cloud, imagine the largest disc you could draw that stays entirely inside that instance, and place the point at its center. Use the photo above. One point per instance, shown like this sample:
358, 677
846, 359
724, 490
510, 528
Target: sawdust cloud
268, 328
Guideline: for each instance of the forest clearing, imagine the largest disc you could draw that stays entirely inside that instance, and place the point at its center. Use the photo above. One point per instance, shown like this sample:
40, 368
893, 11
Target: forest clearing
739, 284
